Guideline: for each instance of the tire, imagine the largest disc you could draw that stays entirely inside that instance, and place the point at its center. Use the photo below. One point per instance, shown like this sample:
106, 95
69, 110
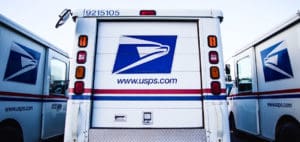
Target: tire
232, 127
10, 134
289, 132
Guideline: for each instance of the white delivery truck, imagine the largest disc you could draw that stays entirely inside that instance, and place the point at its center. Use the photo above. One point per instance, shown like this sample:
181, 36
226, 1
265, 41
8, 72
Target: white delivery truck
146, 75
265, 95
33, 86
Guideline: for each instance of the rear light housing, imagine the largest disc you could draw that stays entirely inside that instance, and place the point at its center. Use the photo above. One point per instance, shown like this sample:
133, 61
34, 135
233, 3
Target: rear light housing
215, 88
212, 41
83, 41
81, 57
80, 72
213, 57
214, 72
79, 87
147, 13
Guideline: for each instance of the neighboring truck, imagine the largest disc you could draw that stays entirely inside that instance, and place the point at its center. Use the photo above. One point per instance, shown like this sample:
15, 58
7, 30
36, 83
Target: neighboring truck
146, 75
265, 96
33, 86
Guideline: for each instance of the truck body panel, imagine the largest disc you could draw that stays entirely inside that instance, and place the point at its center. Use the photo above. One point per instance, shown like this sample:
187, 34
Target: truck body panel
26, 85
268, 97
146, 75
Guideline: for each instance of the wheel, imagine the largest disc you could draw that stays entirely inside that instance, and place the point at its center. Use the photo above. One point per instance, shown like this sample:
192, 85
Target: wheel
289, 132
232, 124
10, 134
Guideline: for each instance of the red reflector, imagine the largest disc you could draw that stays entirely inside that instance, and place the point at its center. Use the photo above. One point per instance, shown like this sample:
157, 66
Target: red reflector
215, 87
213, 57
78, 87
81, 57
147, 12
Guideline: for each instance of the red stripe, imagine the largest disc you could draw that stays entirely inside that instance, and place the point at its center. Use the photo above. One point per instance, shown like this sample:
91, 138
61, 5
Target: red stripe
285, 91
297, 90
152, 91
86, 90
20, 94
38, 96
147, 91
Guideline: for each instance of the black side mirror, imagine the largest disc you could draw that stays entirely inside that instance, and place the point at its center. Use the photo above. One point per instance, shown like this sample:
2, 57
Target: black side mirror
227, 68
227, 73
63, 17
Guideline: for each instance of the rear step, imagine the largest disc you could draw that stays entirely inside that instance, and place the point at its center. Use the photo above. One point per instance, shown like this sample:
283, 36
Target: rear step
147, 135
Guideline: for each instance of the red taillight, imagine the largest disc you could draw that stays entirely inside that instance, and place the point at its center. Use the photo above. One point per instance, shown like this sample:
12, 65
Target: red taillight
147, 12
215, 87
78, 87
81, 57
213, 57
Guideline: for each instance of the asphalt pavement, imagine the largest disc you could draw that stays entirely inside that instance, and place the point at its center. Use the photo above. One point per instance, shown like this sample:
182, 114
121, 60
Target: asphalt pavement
242, 137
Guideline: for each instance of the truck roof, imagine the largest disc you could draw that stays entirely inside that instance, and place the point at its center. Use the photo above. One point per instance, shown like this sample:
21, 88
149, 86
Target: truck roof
21, 30
285, 25
158, 13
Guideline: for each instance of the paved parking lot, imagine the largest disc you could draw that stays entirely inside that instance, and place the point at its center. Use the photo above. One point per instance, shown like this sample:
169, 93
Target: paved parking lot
242, 137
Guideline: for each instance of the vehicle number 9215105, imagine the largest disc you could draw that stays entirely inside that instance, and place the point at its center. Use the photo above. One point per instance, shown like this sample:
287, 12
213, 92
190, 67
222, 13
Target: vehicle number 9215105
104, 12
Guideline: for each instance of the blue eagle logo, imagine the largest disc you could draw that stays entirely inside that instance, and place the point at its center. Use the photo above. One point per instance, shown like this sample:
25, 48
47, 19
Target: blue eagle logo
22, 64
145, 54
276, 62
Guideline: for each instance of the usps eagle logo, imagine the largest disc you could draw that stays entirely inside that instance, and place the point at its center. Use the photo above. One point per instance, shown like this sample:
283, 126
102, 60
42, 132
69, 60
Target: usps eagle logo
145, 54
276, 62
22, 64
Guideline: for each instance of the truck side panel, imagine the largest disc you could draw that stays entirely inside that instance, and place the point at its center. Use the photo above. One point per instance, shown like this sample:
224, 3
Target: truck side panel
278, 76
272, 85
21, 81
25, 84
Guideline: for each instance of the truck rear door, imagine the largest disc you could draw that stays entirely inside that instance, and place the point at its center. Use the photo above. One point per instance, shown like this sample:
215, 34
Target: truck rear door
147, 74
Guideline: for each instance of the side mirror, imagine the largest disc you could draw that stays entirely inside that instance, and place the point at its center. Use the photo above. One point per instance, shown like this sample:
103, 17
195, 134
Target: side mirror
63, 17
227, 68
227, 73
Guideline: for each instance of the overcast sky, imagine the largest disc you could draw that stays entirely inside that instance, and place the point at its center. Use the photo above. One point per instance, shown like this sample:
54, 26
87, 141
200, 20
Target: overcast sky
244, 20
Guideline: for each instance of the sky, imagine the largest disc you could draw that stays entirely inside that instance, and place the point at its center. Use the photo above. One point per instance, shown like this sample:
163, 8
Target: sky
244, 20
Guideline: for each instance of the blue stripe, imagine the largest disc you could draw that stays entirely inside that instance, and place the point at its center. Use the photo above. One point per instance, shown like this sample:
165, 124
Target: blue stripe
245, 97
80, 97
28, 100
213, 97
54, 100
283, 96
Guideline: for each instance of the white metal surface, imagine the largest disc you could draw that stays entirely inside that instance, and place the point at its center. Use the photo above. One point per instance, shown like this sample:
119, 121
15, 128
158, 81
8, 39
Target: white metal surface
275, 88
187, 76
118, 94
132, 13
25, 81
